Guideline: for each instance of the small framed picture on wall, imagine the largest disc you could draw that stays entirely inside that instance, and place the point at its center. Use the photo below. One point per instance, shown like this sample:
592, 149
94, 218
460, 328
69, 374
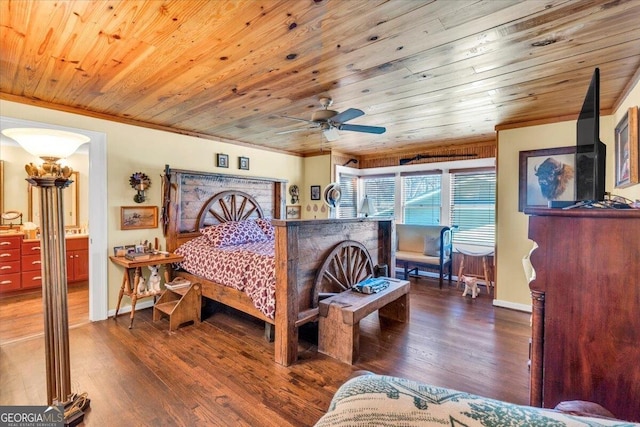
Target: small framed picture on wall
243, 163
315, 192
222, 160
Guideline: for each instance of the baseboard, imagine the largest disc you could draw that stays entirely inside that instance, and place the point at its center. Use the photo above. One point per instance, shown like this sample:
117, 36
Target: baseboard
512, 305
127, 309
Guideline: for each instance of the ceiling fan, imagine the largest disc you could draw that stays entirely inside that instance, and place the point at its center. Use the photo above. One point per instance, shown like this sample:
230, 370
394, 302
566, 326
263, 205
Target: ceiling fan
330, 121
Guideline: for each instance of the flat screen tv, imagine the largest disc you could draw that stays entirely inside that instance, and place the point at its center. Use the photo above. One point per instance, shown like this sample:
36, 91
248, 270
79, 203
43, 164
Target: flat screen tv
590, 151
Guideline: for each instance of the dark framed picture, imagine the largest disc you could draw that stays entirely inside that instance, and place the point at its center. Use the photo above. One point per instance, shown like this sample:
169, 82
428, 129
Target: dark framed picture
222, 160
293, 212
134, 217
243, 163
546, 175
627, 149
315, 192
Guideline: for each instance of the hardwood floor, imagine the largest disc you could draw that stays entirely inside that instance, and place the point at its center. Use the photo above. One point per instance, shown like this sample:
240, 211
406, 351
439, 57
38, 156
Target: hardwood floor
221, 372
21, 316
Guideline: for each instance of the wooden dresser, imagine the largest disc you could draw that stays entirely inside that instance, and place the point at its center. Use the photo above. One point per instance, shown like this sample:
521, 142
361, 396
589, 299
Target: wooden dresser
586, 308
21, 267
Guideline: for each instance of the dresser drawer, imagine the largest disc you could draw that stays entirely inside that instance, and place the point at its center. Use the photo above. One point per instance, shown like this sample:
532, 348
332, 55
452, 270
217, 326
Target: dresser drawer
77, 243
31, 279
31, 262
12, 242
9, 268
31, 248
10, 282
8, 255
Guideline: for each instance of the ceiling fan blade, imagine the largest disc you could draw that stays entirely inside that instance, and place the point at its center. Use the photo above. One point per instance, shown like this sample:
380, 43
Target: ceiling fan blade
347, 115
284, 132
297, 119
366, 129
331, 134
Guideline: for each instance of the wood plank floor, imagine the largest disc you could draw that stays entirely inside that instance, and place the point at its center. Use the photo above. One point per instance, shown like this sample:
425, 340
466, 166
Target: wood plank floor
221, 372
21, 316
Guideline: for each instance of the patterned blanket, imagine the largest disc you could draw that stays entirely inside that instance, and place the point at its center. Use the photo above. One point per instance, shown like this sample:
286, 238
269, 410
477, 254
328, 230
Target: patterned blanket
249, 267
376, 400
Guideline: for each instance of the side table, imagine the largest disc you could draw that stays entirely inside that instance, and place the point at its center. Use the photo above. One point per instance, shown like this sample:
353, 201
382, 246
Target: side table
132, 273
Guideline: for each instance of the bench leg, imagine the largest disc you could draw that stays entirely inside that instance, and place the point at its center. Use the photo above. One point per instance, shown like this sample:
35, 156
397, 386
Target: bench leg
396, 310
336, 338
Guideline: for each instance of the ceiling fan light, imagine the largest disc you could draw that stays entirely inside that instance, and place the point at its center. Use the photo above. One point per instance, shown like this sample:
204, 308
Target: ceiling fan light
331, 134
47, 143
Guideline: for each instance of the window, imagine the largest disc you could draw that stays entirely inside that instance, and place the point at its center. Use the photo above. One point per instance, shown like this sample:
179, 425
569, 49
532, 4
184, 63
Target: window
381, 191
421, 199
348, 201
473, 207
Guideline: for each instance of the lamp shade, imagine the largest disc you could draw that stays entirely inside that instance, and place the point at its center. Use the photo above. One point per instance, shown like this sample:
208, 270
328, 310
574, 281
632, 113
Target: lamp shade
366, 208
47, 143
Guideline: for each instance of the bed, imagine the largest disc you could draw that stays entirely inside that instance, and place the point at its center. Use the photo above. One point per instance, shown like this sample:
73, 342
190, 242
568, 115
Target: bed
195, 201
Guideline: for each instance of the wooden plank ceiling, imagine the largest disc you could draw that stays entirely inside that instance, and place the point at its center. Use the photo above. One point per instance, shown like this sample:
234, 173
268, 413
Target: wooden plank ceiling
432, 72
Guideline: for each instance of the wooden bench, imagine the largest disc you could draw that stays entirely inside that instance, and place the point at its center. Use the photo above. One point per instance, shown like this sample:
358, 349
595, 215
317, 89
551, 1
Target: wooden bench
340, 315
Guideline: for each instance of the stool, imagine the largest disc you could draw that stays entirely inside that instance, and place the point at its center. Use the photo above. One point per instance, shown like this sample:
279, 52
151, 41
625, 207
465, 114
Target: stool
487, 277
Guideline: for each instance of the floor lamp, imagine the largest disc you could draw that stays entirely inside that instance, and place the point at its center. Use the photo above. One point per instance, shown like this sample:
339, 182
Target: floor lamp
51, 178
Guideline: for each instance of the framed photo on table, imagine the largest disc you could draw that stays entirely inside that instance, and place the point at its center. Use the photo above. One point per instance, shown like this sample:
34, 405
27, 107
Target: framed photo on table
546, 175
627, 149
136, 217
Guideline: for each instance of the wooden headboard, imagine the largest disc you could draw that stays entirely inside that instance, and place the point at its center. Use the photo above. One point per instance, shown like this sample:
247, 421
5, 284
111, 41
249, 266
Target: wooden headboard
193, 199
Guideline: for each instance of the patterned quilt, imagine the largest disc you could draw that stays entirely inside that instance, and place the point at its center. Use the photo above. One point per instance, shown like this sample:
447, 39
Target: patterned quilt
249, 267
376, 400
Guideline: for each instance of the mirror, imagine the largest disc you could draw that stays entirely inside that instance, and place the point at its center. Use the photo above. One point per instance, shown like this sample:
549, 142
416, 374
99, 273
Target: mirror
69, 199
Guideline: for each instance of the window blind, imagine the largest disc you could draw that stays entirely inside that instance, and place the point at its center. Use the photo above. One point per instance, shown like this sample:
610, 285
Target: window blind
421, 199
348, 207
381, 191
473, 207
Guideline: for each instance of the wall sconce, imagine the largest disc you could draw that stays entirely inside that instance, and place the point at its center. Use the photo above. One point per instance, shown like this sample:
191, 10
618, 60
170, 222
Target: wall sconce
140, 182
52, 145
367, 208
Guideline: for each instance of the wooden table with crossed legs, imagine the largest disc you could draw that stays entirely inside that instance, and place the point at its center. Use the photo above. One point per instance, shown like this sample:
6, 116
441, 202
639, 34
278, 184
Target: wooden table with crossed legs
132, 274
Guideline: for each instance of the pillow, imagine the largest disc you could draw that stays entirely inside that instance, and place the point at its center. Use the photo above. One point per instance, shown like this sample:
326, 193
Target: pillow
233, 233
266, 227
432, 245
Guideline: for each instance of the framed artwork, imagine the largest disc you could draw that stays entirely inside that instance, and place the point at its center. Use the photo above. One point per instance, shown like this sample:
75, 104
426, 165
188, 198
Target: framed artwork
627, 149
315, 192
545, 175
222, 160
243, 163
293, 212
135, 217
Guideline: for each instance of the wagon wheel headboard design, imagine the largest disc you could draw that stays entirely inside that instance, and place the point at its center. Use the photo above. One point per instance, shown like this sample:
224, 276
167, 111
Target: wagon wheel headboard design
347, 264
229, 206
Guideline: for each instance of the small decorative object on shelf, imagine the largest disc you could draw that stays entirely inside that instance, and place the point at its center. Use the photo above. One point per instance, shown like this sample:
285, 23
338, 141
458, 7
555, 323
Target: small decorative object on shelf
140, 182
154, 279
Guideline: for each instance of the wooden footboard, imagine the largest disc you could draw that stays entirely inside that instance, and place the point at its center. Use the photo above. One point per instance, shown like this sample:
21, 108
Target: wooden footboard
301, 246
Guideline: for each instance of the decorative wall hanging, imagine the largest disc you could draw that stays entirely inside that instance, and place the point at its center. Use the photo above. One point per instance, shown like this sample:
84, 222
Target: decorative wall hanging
294, 191
315, 192
135, 217
243, 163
222, 160
140, 182
332, 195
545, 175
627, 149
293, 212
